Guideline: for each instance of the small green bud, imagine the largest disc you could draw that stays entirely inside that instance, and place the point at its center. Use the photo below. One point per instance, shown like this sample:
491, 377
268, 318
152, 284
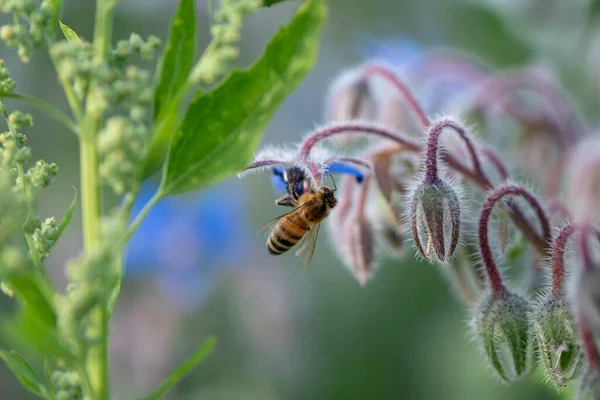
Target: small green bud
435, 216
590, 385
502, 328
45, 236
559, 347
42, 174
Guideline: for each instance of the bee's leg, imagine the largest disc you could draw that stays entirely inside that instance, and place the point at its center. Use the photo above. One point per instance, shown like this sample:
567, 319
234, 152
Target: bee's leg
285, 200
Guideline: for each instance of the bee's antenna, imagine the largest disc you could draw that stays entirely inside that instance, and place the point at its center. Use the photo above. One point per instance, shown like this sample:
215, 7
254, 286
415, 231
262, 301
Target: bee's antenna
333, 180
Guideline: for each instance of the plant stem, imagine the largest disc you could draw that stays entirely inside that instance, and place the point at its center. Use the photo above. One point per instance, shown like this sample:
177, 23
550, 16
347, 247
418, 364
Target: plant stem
97, 357
140, 217
434, 131
487, 257
558, 258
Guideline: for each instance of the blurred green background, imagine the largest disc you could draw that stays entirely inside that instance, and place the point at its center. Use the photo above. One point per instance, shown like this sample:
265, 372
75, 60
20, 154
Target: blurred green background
285, 334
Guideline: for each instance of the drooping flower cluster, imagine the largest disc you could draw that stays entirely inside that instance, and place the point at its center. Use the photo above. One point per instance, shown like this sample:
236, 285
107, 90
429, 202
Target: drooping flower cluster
418, 181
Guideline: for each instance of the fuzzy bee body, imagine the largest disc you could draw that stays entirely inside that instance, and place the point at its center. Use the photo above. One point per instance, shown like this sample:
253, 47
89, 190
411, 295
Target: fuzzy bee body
303, 221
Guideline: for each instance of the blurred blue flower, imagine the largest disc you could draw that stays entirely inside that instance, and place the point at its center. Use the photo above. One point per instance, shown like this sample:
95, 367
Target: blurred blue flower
185, 240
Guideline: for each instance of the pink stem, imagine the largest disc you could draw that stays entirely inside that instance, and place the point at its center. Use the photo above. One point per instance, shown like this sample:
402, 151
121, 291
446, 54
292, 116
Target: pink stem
388, 74
493, 274
434, 132
356, 128
558, 258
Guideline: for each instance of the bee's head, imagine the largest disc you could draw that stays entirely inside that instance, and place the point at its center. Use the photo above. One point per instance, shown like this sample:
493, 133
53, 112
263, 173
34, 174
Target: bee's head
328, 196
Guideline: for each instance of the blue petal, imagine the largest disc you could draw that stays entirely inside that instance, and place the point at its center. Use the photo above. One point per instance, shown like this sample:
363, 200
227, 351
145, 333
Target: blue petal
341, 168
277, 180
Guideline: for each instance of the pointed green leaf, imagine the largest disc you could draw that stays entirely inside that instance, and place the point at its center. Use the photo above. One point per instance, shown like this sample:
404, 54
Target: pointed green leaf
68, 215
178, 58
184, 368
269, 3
70, 34
221, 129
24, 373
173, 70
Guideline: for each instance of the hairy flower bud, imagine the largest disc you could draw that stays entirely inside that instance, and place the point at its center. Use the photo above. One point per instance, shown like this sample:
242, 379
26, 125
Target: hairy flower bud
559, 349
502, 328
435, 213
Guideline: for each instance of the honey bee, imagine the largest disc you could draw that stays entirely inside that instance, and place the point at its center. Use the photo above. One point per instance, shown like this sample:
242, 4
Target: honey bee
302, 223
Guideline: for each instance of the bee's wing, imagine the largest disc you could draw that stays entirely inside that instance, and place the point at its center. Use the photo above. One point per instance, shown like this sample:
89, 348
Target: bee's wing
307, 246
294, 214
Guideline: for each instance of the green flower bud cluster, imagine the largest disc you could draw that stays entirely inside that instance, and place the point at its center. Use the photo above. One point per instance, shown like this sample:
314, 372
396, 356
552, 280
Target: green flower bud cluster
121, 145
45, 236
124, 90
13, 215
92, 276
7, 84
32, 25
136, 45
66, 385
226, 34
74, 65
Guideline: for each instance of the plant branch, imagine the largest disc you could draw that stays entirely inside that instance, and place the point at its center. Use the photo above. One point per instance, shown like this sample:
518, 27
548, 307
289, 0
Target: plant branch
493, 274
47, 108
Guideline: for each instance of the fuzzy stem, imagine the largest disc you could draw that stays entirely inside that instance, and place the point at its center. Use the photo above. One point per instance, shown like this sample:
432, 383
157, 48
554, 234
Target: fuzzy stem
431, 153
403, 90
558, 258
356, 128
493, 274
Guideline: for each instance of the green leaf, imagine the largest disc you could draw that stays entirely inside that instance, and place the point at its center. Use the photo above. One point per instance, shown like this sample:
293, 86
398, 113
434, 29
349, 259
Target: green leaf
34, 324
269, 3
184, 368
173, 70
221, 129
68, 215
23, 371
70, 34
178, 58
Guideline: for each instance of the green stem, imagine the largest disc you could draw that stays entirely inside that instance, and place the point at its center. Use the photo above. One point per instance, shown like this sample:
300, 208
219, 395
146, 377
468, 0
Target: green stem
97, 356
140, 217
52, 112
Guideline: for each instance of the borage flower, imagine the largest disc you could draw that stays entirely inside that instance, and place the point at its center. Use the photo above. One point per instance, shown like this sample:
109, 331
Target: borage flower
296, 173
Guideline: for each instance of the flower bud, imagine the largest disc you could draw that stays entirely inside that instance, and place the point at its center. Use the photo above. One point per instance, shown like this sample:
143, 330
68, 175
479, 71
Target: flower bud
590, 385
435, 219
502, 328
350, 97
560, 351
361, 247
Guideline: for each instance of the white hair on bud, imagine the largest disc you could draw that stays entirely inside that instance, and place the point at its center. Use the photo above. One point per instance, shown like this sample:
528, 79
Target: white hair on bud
280, 156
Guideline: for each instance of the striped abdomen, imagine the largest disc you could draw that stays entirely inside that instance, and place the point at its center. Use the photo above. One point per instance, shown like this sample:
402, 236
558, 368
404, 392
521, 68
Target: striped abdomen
286, 233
